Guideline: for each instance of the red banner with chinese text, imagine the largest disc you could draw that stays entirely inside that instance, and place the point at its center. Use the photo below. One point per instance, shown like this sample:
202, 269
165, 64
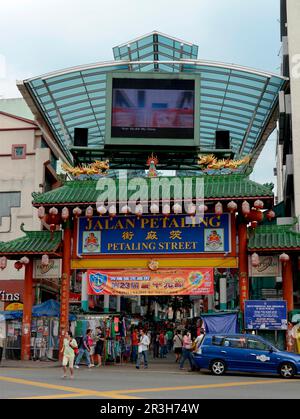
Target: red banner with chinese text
145, 282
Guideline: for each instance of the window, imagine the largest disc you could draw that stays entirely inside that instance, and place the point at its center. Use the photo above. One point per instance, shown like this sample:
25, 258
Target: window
257, 344
217, 340
235, 342
18, 151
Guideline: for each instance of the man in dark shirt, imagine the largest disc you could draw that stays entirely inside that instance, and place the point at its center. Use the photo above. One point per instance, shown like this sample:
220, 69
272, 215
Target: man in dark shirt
85, 349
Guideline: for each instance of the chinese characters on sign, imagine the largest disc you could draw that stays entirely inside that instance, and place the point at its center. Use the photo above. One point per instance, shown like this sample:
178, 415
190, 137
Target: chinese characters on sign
161, 282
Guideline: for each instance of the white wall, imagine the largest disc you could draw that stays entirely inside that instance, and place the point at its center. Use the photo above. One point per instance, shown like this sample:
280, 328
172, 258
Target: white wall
293, 18
24, 175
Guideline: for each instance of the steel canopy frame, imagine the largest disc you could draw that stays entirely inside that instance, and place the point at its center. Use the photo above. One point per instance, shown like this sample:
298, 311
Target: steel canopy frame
232, 97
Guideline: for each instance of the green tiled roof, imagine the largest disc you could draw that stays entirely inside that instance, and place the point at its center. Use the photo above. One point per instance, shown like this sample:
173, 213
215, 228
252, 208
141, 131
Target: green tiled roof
274, 237
215, 187
33, 242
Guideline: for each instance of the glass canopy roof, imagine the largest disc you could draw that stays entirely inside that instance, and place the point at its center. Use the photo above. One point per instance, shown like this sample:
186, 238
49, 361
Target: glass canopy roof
233, 98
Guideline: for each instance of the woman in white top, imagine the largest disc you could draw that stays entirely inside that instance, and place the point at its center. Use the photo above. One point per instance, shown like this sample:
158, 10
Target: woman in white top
68, 350
177, 345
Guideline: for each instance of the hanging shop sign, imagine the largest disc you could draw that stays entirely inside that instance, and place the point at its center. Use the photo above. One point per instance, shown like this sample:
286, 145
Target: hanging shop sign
74, 297
52, 270
145, 282
154, 234
268, 267
265, 315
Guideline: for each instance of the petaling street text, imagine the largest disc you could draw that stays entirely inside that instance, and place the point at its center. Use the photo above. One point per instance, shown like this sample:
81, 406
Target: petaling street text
126, 223
152, 246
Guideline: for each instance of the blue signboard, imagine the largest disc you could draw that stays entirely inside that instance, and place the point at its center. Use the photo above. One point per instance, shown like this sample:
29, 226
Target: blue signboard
154, 234
265, 315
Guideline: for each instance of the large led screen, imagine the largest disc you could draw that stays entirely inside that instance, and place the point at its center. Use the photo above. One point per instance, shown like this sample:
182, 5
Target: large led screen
153, 108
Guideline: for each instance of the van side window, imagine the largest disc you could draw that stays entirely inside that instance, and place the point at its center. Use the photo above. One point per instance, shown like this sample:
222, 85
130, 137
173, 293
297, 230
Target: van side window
257, 344
236, 342
217, 340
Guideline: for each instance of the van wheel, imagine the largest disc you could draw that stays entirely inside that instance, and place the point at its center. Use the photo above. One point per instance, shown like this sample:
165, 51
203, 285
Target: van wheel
217, 367
287, 370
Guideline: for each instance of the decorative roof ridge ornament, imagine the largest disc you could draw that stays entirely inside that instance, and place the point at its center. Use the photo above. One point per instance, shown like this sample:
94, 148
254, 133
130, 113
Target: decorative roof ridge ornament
152, 162
98, 167
210, 164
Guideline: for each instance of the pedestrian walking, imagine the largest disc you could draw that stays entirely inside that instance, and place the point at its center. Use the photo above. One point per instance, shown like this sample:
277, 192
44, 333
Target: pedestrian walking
99, 346
85, 349
186, 351
68, 350
143, 349
155, 344
170, 336
134, 345
177, 345
162, 343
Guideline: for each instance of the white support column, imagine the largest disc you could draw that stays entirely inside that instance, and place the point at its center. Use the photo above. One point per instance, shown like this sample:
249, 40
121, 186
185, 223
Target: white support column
223, 293
106, 303
118, 303
210, 303
84, 294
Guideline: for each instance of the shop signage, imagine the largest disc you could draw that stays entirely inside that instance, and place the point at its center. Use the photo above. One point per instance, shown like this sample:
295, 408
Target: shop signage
154, 234
268, 267
74, 297
145, 282
265, 315
14, 306
47, 272
9, 296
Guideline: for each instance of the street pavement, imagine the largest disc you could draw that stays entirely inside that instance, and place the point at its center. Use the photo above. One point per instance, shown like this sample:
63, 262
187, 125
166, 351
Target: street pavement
162, 380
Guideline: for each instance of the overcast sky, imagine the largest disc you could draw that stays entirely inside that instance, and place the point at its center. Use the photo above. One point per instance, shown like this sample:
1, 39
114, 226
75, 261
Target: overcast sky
39, 36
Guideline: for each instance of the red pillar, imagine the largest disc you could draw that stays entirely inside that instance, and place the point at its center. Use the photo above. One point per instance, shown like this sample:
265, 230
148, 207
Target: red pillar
27, 311
243, 265
287, 284
65, 285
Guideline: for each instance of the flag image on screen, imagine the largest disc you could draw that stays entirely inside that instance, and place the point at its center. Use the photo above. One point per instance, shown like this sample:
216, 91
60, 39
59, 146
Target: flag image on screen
157, 108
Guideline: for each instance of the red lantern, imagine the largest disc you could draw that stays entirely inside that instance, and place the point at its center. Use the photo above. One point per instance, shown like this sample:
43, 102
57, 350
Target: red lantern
166, 210
177, 208
112, 211
191, 210
18, 265
258, 204
255, 260
232, 207
284, 257
245, 208
270, 215
52, 227
154, 209
77, 212
202, 208
219, 208
65, 214
125, 210
3, 262
24, 260
139, 210
53, 216
101, 210
89, 212
41, 213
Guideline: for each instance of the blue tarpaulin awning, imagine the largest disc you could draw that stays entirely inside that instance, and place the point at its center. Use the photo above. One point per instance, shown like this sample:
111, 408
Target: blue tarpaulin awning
50, 308
221, 323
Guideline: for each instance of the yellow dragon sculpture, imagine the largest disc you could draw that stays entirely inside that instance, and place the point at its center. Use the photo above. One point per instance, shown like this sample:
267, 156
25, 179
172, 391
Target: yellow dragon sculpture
96, 168
210, 161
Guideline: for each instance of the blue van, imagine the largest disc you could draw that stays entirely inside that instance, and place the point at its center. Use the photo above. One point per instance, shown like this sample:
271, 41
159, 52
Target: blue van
247, 353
